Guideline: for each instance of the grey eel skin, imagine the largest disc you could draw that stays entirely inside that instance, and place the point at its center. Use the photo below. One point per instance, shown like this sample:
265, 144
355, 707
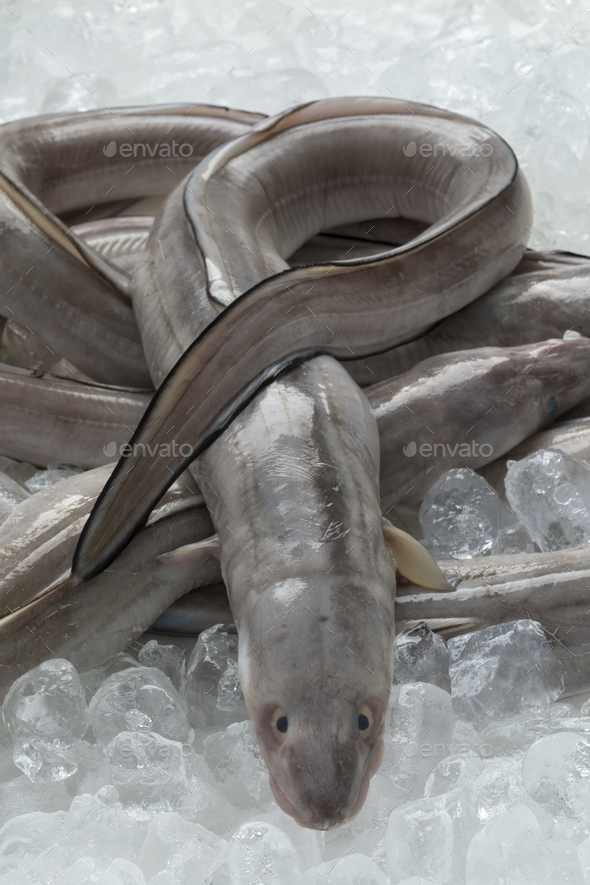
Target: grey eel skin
54, 282
280, 184
490, 397
87, 625
46, 419
467, 387
548, 297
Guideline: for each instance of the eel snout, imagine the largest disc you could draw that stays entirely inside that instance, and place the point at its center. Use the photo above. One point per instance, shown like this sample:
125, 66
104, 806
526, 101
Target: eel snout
319, 779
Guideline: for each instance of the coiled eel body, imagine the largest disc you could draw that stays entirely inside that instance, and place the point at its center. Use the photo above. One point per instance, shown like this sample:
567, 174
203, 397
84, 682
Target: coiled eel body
318, 442
276, 187
54, 166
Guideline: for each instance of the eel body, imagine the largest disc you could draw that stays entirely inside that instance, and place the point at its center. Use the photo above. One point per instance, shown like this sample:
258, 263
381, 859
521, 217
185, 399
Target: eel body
276, 186
55, 166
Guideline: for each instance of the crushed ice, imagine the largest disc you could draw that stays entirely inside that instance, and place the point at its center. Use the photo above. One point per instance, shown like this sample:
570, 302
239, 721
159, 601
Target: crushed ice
495, 761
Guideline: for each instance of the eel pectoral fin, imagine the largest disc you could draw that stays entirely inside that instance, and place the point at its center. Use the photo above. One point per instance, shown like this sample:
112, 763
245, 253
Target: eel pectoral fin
181, 563
413, 560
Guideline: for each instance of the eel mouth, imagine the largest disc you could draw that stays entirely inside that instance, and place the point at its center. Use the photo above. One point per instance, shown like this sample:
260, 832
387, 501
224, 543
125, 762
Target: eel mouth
287, 806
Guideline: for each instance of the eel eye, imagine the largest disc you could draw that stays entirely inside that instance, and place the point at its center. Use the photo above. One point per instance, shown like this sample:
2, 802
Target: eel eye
365, 720
370, 719
279, 724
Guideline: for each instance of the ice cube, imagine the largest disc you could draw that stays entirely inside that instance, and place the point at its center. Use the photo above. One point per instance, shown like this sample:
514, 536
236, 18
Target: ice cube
212, 687
307, 843
366, 832
203, 802
418, 732
163, 878
418, 880
355, 869
147, 770
28, 838
512, 848
45, 712
43, 760
503, 671
498, 786
229, 693
8, 770
87, 758
20, 346
457, 644
90, 870
170, 659
422, 656
461, 515
186, 850
513, 737
94, 678
512, 539
99, 825
420, 840
452, 773
11, 494
550, 493
556, 772
54, 473
20, 796
233, 756
138, 699
258, 852
465, 741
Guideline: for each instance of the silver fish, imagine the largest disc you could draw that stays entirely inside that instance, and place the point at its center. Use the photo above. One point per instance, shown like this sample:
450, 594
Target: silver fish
293, 489
50, 166
468, 408
46, 419
487, 400
42, 613
506, 392
483, 221
548, 298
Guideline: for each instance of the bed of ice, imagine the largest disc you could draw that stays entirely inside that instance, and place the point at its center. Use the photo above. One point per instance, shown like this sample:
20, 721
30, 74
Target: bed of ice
146, 770
520, 66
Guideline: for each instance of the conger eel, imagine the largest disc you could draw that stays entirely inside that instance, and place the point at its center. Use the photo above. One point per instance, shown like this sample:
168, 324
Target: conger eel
256, 199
